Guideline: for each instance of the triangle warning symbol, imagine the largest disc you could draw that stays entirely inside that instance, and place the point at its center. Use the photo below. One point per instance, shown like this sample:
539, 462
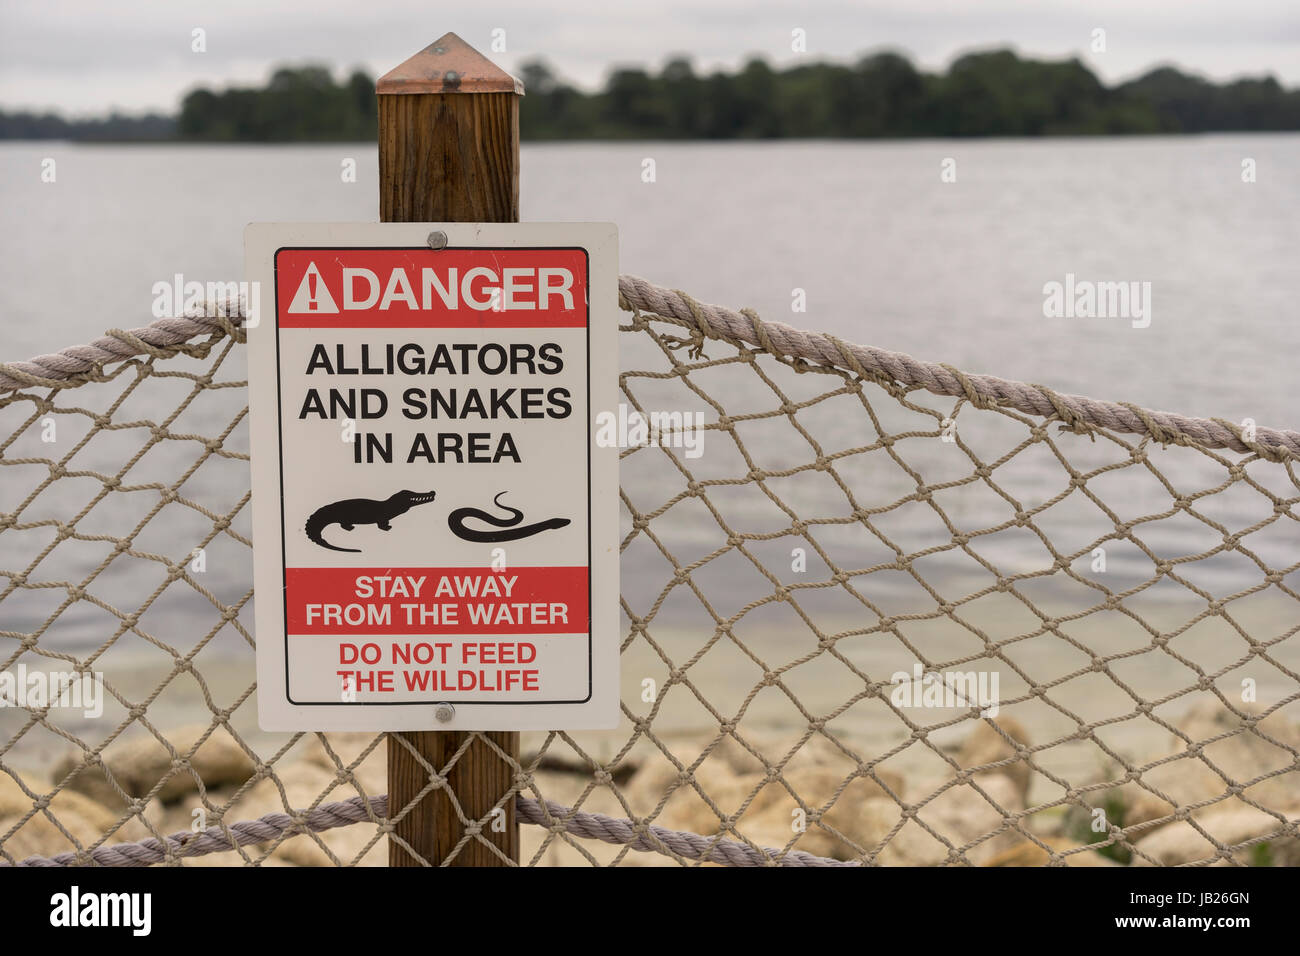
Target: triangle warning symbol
312, 296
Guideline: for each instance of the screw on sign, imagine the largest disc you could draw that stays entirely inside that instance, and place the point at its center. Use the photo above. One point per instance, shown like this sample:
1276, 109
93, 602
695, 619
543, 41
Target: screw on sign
473, 373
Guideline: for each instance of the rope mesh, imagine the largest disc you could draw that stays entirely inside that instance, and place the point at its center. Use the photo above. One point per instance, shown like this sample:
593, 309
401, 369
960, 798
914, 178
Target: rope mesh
852, 529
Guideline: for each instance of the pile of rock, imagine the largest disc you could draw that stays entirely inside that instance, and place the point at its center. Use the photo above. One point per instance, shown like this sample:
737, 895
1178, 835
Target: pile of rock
1157, 814
813, 795
176, 795
822, 800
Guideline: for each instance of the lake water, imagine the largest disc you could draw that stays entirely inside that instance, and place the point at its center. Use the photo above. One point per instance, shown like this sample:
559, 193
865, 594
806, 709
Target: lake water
884, 251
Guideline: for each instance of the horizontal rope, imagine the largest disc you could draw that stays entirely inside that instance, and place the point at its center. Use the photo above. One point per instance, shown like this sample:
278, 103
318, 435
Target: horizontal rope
81, 363
594, 826
650, 838
188, 844
719, 322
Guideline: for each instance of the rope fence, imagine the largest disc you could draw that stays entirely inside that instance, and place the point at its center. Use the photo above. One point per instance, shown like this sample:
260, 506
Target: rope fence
595, 826
160, 338
893, 613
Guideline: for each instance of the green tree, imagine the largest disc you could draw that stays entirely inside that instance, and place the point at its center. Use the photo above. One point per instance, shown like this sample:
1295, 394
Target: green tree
989, 93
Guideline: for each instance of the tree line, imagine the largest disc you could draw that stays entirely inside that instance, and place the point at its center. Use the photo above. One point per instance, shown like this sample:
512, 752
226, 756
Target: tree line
993, 93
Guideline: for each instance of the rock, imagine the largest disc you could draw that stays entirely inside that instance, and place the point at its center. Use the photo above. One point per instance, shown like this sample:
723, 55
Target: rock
1242, 756
1180, 843
657, 776
371, 773
1188, 779
303, 782
769, 816
1210, 718
737, 784
139, 764
861, 816
1185, 780
857, 822
1146, 812
730, 775
688, 806
960, 815
986, 746
1028, 853
12, 798
817, 751
86, 820
40, 837
92, 782
1138, 812
864, 815
539, 847
15, 803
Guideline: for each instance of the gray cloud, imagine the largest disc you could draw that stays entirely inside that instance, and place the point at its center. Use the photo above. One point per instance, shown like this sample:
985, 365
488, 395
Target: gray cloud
85, 56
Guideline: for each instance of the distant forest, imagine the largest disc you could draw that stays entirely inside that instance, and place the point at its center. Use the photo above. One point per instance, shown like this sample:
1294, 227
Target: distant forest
982, 94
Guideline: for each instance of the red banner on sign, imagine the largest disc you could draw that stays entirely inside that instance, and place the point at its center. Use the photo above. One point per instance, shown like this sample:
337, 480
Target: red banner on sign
436, 601
446, 288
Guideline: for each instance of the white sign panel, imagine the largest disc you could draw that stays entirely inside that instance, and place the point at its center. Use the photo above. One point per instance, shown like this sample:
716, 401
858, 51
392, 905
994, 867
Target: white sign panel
433, 521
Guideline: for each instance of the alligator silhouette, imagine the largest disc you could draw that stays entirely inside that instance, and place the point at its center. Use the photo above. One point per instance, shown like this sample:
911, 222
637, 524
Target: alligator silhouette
513, 531
351, 512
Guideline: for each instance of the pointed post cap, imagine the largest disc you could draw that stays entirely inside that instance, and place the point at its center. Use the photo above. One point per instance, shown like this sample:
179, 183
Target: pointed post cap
448, 65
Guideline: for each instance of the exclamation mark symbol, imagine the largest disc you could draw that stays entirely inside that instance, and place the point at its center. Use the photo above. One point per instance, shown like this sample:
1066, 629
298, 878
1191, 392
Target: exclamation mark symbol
312, 297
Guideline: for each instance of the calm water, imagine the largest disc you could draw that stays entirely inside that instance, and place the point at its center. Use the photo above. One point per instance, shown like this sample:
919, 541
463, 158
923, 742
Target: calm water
885, 252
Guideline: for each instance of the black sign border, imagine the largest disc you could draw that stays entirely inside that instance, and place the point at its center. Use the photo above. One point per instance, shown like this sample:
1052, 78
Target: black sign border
279, 426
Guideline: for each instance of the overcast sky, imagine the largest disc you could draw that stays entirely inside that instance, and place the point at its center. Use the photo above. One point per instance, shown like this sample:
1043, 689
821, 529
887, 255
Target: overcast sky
85, 57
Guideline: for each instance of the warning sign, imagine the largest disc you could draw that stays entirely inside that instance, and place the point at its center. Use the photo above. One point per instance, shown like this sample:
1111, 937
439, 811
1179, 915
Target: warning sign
433, 521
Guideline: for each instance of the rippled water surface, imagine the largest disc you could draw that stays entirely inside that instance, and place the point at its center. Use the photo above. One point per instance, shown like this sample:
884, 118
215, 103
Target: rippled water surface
883, 252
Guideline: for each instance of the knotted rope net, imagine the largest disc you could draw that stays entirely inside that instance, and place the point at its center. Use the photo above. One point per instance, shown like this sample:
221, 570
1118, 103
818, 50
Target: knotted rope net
876, 611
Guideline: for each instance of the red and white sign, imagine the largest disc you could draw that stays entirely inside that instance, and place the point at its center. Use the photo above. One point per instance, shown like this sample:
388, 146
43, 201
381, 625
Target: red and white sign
433, 520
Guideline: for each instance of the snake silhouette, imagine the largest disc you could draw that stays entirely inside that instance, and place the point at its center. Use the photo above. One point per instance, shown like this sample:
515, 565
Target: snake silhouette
512, 530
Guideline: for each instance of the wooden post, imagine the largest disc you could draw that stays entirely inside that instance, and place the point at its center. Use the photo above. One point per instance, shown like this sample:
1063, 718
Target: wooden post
449, 152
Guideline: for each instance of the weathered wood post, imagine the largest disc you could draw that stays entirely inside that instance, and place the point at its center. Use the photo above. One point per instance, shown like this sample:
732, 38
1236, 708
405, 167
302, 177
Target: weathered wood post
449, 152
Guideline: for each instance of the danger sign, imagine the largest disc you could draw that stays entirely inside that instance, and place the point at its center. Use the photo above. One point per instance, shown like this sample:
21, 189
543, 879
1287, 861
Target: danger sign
433, 521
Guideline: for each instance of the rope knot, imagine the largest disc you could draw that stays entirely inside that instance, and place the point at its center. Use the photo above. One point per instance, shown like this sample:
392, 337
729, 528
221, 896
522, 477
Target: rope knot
968, 389
703, 329
694, 345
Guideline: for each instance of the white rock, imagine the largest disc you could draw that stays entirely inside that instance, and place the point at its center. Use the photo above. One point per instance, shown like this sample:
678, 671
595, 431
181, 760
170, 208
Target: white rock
1028, 853
371, 773
1179, 842
138, 764
1189, 779
303, 783
960, 815
986, 746
85, 820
